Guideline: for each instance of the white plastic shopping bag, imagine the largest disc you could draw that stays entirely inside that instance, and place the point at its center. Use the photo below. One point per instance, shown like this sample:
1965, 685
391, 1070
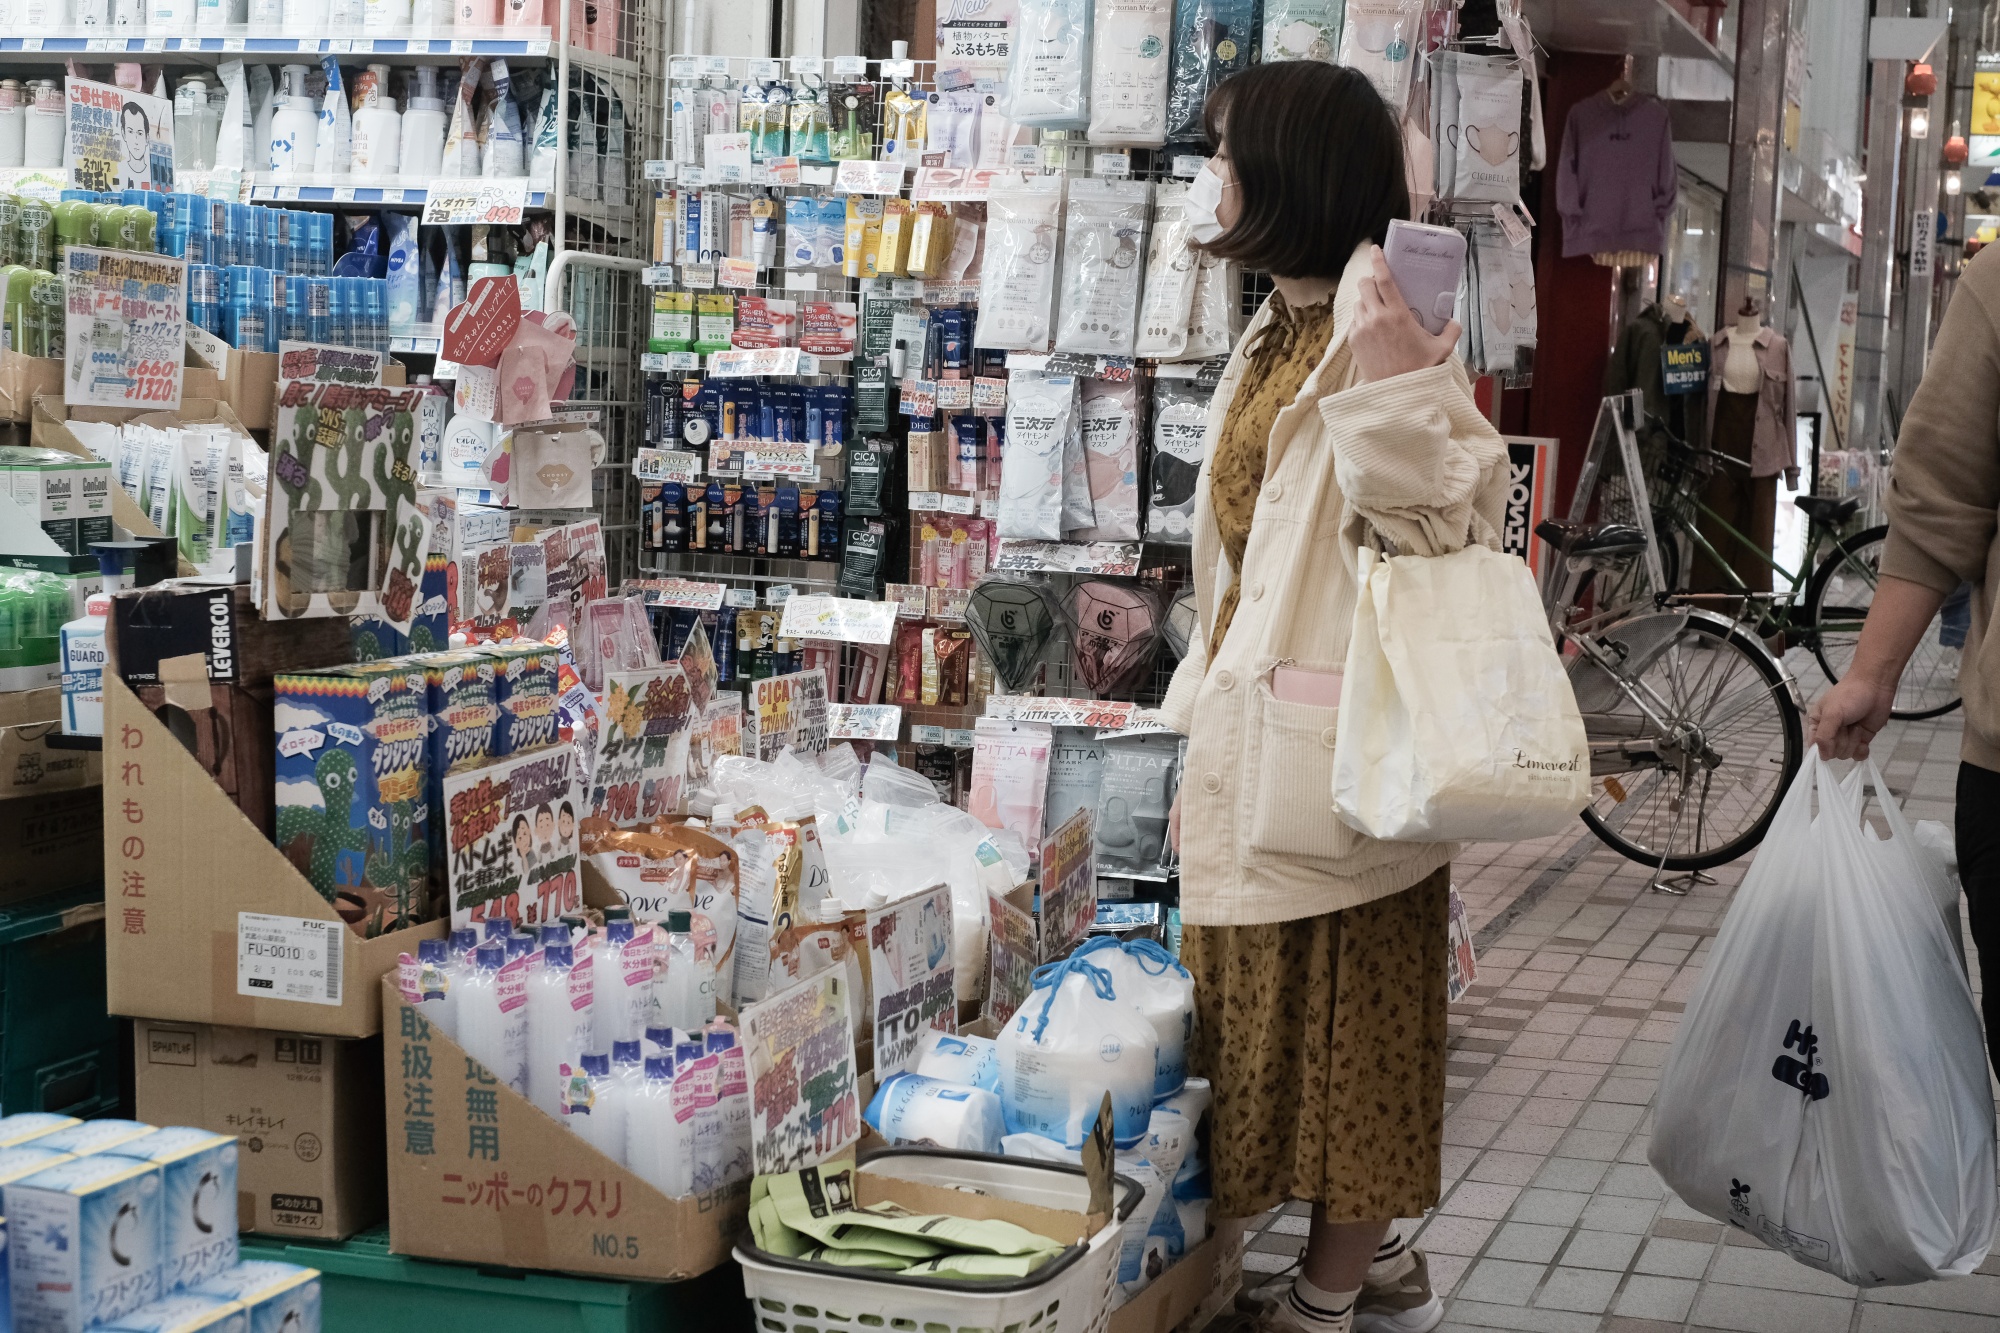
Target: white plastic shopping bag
1827, 1091
1457, 721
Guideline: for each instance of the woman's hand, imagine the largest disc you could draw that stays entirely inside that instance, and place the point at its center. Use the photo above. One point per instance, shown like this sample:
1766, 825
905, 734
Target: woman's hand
1385, 338
1174, 824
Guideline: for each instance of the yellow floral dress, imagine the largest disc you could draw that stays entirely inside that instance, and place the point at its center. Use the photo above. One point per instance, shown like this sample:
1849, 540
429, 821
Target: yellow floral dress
1324, 1038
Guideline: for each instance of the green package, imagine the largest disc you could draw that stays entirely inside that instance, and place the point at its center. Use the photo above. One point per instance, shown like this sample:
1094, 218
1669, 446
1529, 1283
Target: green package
802, 1206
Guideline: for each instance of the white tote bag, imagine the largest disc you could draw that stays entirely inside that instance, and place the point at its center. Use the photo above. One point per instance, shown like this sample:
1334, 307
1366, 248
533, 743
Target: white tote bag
1457, 721
1827, 1091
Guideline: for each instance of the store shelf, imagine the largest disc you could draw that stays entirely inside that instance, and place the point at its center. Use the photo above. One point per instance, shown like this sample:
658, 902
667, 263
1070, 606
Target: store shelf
516, 43
263, 192
1642, 28
418, 346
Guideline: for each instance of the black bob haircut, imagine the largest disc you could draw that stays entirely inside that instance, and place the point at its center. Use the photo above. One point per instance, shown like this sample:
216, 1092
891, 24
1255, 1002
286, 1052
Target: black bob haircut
1318, 160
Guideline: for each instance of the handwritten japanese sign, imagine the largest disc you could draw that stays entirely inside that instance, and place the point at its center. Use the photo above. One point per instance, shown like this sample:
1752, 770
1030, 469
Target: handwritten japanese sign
910, 970
1069, 884
800, 1045
476, 202
789, 711
642, 750
511, 839
124, 329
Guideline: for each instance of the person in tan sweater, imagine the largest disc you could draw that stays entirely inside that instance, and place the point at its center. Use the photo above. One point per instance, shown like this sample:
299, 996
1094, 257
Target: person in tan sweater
1944, 531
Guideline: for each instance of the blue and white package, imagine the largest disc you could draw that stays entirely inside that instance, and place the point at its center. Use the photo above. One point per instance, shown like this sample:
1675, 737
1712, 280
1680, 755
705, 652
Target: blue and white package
184, 1313
1192, 1189
1152, 981
281, 1297
31, 1125
197, 1202
28, 1159
94, 1136
1135, 1164
1074, 1039
910, 1108
972, 1061
83, 1242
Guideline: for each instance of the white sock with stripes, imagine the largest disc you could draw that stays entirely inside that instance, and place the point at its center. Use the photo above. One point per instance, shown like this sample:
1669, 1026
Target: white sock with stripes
1393, 1259
1318, 1311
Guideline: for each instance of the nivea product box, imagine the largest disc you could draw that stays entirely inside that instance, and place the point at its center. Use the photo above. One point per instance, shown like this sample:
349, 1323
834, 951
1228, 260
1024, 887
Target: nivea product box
524, 686
83, 1242
186, 1312
94, 1136
281, 1297
197, 1202
30, 1125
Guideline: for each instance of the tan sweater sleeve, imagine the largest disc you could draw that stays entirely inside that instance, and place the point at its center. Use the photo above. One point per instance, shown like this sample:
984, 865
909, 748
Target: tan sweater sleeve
1944, 487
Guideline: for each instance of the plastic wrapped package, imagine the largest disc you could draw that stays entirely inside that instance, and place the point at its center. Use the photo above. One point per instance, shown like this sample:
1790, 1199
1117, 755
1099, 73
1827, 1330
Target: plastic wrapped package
1170, 278
1301, 29
1180, 446
1381, 38
1133, 801
1215, 317
1111, 459
1213, 39
1048, 67
1071, 1041
910, 1108
1104, 245
1480, 120
1153, 982
1041, 416
1018, 275
959, 1058
1077, 514
1130, 61
1014, 621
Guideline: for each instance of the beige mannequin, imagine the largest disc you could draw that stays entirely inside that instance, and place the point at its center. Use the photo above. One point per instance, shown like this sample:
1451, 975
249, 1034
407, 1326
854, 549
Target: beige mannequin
1739, 368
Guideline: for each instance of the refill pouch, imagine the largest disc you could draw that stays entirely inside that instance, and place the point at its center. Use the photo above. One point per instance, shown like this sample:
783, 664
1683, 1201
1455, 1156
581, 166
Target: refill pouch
1485, 134
1041, 415
502, 157
1180, 444
1048, 69
263, 97
1129, 62
335, 148
236, 119
1017, 282
1213, 39
1170, 278
1103, 253
1215, 317
461, 140
1380, 38
548, 141
1301, 29
1110, 419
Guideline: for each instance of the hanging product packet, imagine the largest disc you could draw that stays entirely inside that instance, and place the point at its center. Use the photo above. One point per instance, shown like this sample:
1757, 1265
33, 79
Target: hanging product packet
1134, 797
1104, 244
1301, 30
1111, 459
1077, 514
1180, 444
1444, 116
1485, 132
1213, 39
1170, 278
1215, 318
1129, 64
1381, 39
953, 129
672, 867
1017, 283
1041, 416
1010, 777
1048, 68
1076, 772
1491, 302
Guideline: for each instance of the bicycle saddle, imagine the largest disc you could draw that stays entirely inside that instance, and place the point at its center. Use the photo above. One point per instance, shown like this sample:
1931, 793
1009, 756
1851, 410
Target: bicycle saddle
1827, 510
1591, 538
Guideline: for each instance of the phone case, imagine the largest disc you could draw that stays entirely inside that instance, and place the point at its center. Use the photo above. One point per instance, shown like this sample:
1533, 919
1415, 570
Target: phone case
1427, 263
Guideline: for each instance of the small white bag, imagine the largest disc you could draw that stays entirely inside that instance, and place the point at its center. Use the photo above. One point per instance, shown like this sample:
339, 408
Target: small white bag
1457, 721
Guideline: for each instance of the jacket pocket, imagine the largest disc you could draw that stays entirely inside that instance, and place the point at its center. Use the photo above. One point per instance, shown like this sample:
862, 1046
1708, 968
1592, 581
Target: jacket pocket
1291, 812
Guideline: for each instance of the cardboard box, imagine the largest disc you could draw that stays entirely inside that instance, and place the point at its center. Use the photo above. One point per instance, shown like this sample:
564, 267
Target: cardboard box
83, 1242
246, 381
306, 1112
53, 840
479, 1174
25, 378
1213, 1267
69, 497
29, 764
173, 949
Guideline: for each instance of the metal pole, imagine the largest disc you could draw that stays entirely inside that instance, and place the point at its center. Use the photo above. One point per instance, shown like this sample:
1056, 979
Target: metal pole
1750, 219
1910, 333
1882, 158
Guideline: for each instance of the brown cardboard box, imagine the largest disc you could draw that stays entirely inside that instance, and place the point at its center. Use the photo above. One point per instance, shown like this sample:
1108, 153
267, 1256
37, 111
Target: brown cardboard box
306, 1111
479, 1174
23, 378
51, 841
181, 863
1213, 1267
29, 765
246, 381
50, 433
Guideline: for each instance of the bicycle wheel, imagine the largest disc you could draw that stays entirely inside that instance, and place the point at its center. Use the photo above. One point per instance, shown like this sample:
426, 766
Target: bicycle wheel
1696, 784
1837, 601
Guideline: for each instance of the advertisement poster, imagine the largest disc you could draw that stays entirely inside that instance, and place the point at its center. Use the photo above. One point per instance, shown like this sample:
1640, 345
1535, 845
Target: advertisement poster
789, 711
1069, 885
642, 750
118, 139
573, 558
1463, 969
511, 839
800, 1048
1015, 957
910, 970
124, 329
1531, 491
343, 533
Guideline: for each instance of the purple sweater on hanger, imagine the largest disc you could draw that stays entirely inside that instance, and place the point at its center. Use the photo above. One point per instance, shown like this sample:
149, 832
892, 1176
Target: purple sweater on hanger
1616, 181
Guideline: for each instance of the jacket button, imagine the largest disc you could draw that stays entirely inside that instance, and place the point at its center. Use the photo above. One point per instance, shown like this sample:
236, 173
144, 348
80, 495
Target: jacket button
1225, 680
1211, 783
1326, 738
1276, 490
1256, 592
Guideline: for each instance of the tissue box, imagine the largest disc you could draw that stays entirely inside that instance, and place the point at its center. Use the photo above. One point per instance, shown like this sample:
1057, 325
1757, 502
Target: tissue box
197, 1202
83, 1242
524, 687
88, 1137
31, 1125
281, 1297
185, 1313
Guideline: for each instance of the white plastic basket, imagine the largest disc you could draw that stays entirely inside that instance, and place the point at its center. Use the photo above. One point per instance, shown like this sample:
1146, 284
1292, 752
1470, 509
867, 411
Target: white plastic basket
1070, 1294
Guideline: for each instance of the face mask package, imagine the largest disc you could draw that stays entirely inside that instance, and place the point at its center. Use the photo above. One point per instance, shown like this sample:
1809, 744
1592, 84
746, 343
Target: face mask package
1215, 318
1132, 803
1479, 101
1129, 64
1170, 279
1379, 38
1010, 777
1041, 416
1111, 459
1301, 29
1017, 283
1048, 69
1180, 443
1213, 39
1076, 769
1103, 248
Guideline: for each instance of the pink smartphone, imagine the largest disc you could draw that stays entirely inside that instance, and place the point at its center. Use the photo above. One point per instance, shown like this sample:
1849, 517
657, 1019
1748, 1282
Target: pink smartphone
1427, 263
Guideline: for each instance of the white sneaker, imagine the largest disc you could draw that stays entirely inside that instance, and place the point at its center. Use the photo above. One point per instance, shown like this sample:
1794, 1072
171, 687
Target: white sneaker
1407, 1305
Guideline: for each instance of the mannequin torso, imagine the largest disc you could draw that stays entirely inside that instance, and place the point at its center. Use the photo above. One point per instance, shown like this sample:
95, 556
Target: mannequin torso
1739, 368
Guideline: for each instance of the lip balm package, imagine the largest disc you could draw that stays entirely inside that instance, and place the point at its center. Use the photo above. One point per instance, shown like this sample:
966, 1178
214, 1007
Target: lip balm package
1041, 416
1213, 39
1170, 278
953, 126
851, 109
1018, 278
1129, 63
1180, 444
811, 126
1380, 38
1110, 418
1216, 318
1103, 254
1048, 68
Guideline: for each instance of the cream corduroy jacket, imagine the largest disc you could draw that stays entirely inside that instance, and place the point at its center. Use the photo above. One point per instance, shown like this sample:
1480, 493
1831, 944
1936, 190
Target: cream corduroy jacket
1410, 457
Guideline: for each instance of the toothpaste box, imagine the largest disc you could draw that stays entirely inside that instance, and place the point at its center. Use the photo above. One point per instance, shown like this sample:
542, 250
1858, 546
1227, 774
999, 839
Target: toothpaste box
350, 796
94, 1136
524, 686
186, 1312
83, 1242
281, 1297
197, 1202
30, 1125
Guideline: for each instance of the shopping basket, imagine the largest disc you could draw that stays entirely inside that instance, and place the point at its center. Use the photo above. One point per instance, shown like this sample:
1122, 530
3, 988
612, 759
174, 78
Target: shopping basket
1069, 1294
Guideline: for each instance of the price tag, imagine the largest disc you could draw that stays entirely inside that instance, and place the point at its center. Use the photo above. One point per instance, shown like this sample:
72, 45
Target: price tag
744, 599
289, 958
693, 176
1188, 165
989, 396
808, 67
395, 196
734, 271
156, 44
954, 395
949, 603
232, 43
31, 43
1510, 225
918, 399
342, 45
951, 503
658, 169
658, 275
863, 722
1108, 558
767, 71
741, 362
715, 65
779, 458
97, 44
899, 69
820, 176
683, 469
343, 194
783, 170
461, 46
698, 276
692, 595
922, 502
850, 67
287, 193
683, 68
778, 594
1024, 157
801, 280
1111, 164
474, 202
859, 176
653, 363
926, 735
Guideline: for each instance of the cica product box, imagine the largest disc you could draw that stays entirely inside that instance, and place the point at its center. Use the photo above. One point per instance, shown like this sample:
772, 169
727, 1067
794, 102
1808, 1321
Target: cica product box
95, 1136
83, 1242
186, 1312
281, 1297
524, 686
197, 1202
350, 795
30, 1125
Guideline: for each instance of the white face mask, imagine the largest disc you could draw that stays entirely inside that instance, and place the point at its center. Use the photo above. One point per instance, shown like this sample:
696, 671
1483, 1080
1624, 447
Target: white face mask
1204, 196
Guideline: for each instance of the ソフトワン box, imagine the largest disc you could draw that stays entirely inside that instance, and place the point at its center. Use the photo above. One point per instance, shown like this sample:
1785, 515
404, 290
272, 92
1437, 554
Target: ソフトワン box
28, 1159
83, 1242
197, 1202
88, 1137
184, 1312
27, 1126
281, 1297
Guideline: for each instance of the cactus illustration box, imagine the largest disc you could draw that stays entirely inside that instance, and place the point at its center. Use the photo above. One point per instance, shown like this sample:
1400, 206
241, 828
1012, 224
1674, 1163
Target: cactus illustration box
524, 686
197, 1202
375, 638
83, 1242
460, 723
351, 796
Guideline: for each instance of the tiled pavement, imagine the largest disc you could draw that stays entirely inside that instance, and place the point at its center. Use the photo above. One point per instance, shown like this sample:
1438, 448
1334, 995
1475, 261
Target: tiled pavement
1551, 1220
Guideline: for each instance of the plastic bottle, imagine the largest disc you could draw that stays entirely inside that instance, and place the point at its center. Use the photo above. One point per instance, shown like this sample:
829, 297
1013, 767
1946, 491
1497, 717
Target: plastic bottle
487, 1030
322, 243
299, 229
659, 1144
559, 1023
13, 123
83, 669
205, 297
190, 116
294, 127
678, 988
375, 314
383, 17
626, 1000
703, 1075
434, 984
340, 316
246, 302
378, 128
42, 137
600, 1120
732, 1100
424, 126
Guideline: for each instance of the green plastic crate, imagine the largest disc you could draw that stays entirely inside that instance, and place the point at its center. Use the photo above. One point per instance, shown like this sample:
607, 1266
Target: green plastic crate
366, 1289
59, 1049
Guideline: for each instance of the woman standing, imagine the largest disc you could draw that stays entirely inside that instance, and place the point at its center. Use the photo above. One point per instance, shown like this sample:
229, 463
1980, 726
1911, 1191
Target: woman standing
1318, 953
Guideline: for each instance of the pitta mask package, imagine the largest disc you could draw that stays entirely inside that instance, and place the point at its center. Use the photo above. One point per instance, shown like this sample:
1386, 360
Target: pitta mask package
1018, 277
1041, 416
1132, 803
1010, 777
1104, 247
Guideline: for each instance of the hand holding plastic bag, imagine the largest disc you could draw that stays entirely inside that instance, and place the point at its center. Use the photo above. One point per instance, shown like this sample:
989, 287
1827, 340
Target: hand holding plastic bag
1828, 1091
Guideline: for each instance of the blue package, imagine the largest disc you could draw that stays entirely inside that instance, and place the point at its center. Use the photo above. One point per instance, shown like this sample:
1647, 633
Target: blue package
197, 1202
94, 1136
280, 1297
28, 1159
83, 1242
28, 1125
524, 690
186, 1312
